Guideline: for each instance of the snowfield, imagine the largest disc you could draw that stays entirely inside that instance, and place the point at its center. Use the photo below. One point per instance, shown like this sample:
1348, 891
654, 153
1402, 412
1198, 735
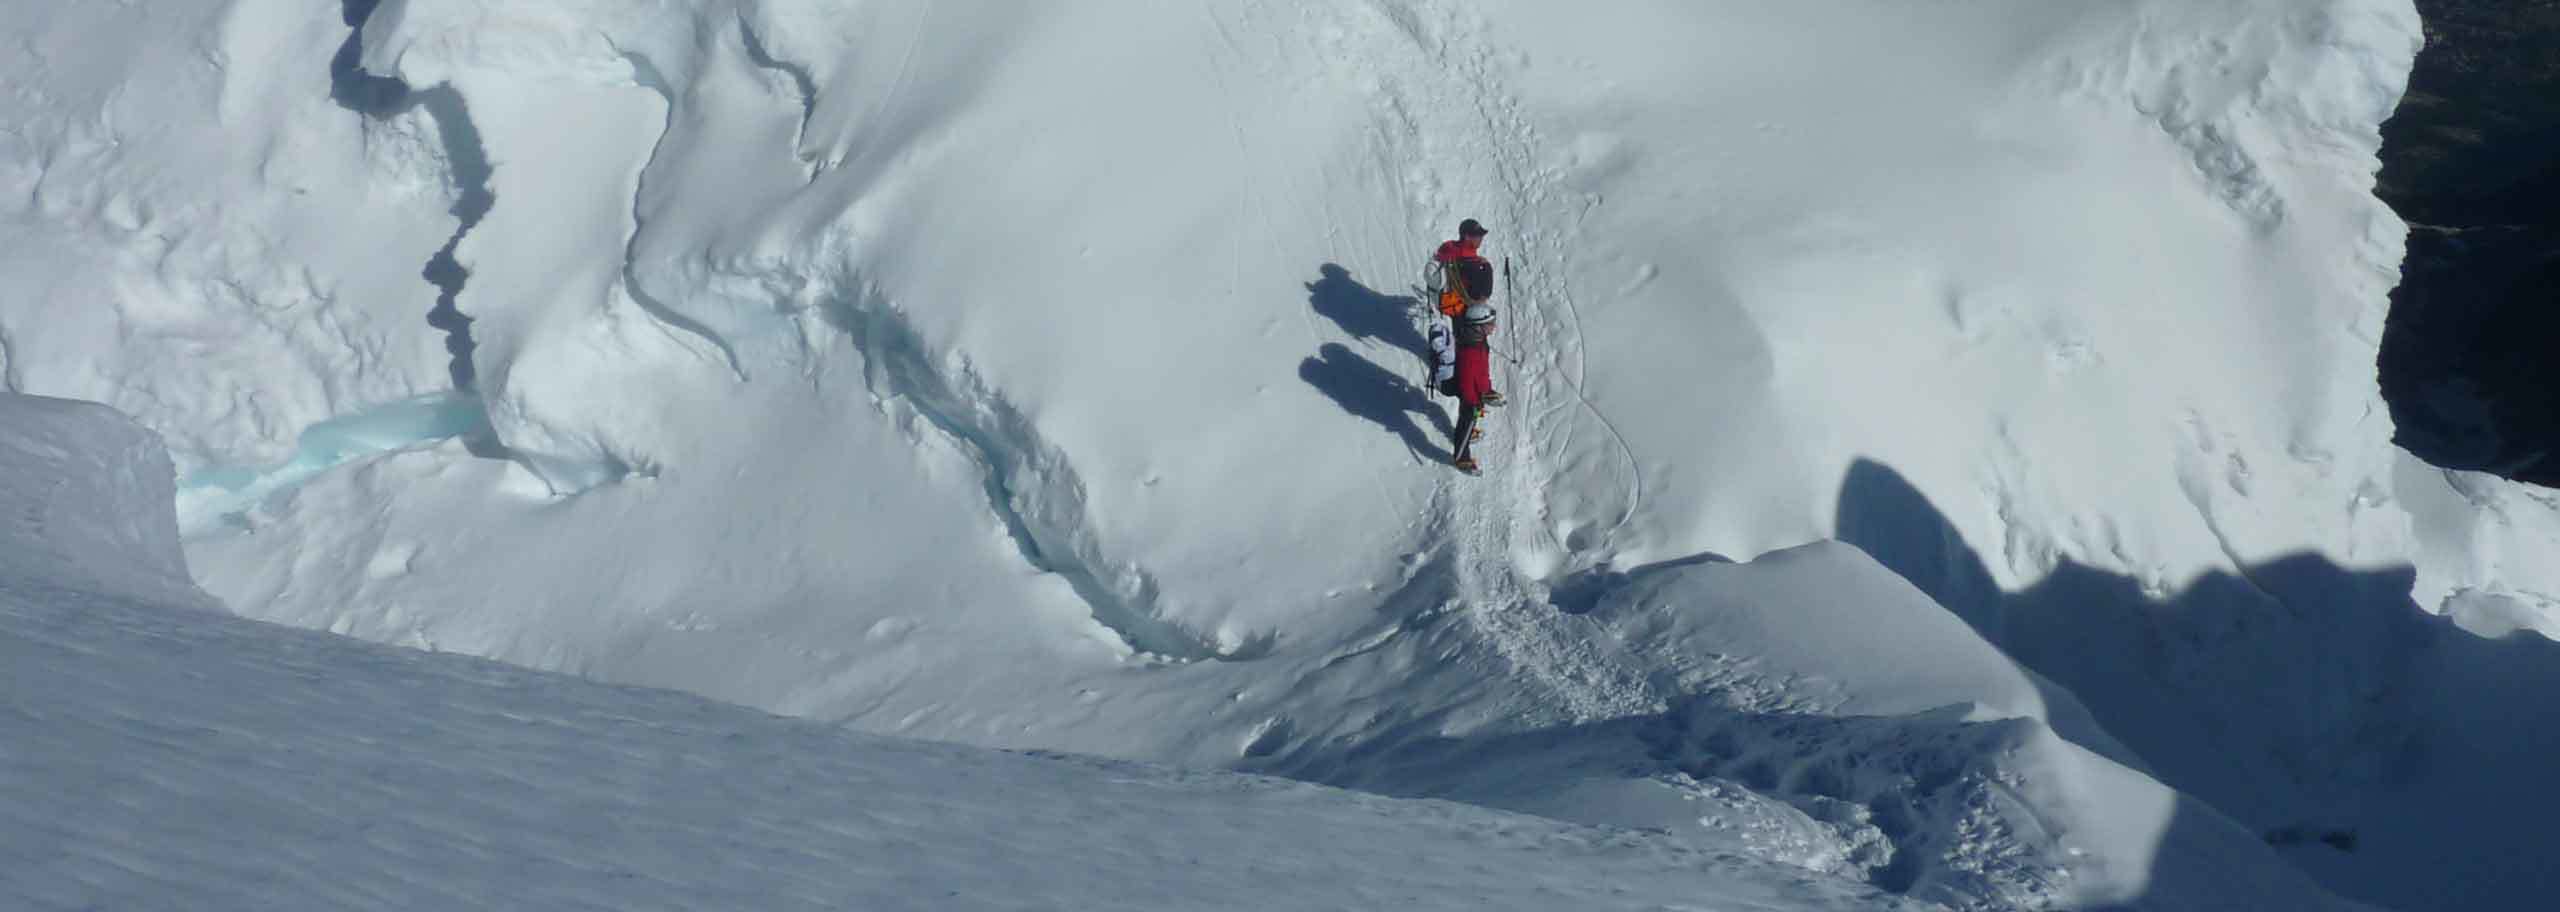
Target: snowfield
1045, 377
150, 737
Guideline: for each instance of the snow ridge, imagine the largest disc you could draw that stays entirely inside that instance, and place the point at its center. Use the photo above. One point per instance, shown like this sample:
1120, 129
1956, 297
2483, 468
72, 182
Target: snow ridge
86, 494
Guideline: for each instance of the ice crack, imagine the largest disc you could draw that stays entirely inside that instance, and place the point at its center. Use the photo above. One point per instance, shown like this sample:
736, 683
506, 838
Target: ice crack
469, 162
466, 160
650, 77
1030, 488
800, 79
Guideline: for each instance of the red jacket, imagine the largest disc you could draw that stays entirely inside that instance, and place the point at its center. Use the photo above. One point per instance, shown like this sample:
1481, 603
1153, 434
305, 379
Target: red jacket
1475, 366
1450, 251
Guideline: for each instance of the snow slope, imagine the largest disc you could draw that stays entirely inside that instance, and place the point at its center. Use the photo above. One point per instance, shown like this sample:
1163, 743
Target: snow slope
139, 733
161, 756
911, 366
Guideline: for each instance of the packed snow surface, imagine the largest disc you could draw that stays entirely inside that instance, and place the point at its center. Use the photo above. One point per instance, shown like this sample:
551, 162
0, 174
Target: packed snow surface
1044, 376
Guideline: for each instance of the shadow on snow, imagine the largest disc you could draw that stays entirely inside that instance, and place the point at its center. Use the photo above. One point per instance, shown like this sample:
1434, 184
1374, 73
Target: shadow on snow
2313, 705
1364, 389
1366, 313
1361, 386
2297, 696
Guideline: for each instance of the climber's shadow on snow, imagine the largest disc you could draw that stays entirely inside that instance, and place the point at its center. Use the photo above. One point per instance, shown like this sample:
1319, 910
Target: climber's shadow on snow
1365, 312
1360, 385
1363, 388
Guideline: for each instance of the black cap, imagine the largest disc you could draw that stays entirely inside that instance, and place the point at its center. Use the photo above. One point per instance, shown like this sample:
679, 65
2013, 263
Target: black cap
1470, 228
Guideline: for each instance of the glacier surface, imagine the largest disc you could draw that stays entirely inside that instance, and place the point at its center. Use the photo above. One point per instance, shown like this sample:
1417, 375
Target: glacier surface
922, 369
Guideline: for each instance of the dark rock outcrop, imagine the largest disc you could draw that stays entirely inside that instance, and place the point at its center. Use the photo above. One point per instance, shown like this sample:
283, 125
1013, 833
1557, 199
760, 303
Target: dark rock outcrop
2472, 161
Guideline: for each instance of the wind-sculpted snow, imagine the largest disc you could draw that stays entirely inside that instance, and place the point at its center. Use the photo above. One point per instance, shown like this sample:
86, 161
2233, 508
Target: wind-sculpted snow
968, 375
